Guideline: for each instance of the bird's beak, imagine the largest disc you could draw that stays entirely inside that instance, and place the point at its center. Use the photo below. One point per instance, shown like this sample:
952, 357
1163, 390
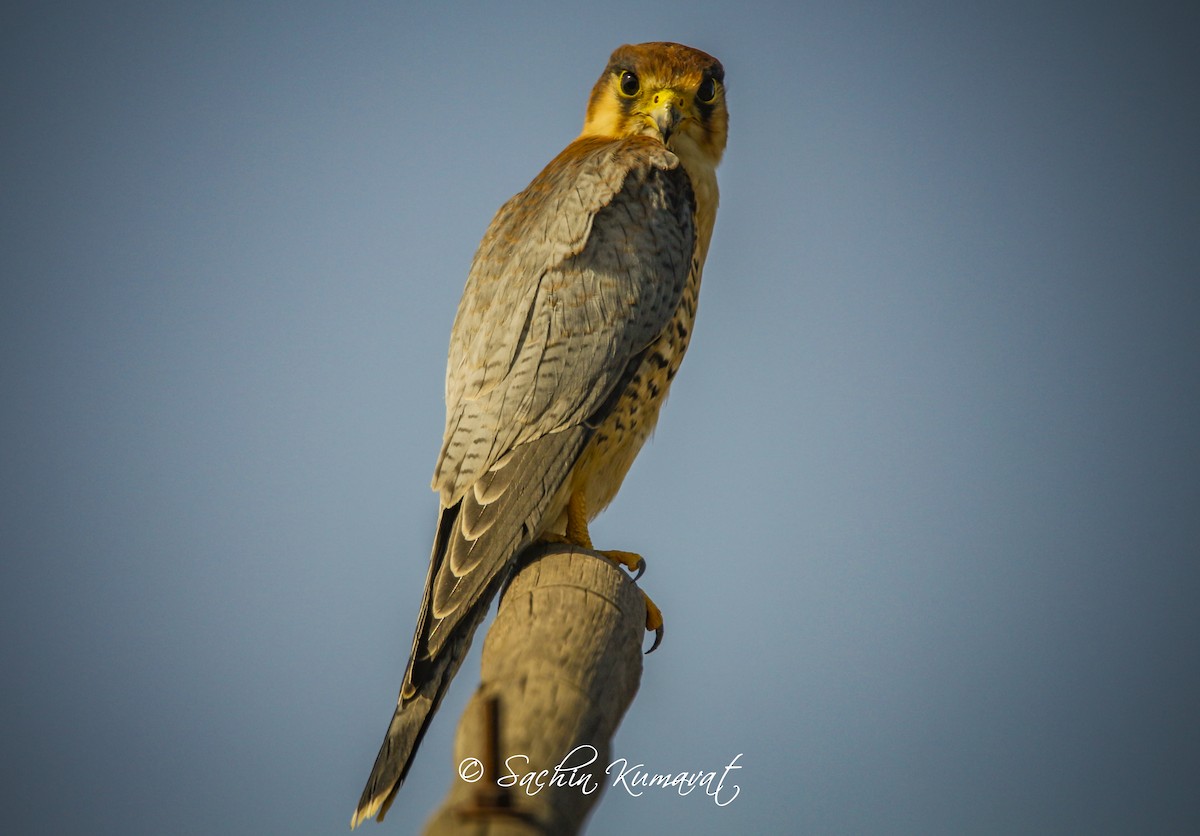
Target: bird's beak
666, 112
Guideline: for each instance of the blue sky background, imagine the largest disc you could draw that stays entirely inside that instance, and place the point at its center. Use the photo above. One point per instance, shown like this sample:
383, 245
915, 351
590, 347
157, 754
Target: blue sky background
923, 511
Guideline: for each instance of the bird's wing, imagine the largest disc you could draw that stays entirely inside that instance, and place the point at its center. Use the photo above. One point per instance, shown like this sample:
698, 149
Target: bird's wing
576, 276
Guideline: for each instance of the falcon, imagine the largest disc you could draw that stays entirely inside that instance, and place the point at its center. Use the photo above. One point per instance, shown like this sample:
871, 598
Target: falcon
577, 311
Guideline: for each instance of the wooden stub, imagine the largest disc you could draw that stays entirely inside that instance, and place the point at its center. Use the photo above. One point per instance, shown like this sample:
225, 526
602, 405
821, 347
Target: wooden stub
561, 664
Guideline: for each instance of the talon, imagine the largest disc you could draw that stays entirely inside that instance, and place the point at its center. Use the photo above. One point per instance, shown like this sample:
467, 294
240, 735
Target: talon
632, 562
658, 634
654, 621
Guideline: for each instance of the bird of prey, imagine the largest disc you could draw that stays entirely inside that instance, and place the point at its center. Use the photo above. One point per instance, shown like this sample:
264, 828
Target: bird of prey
576, 314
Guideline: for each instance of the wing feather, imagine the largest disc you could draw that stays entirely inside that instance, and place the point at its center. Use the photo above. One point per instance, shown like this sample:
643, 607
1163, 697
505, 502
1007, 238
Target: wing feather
575, 275
574, 278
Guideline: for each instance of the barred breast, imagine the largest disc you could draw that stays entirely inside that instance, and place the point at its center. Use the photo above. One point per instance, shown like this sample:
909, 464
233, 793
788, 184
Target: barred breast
616, 443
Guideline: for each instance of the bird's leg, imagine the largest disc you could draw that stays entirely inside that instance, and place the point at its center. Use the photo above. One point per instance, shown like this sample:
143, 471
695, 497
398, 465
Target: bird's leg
577, 534
577, 521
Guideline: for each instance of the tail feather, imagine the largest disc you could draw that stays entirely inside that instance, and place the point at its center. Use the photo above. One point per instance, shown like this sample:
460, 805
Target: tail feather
535, 474
412, 719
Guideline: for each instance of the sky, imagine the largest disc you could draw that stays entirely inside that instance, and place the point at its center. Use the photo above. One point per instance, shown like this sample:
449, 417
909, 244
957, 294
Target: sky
922, 512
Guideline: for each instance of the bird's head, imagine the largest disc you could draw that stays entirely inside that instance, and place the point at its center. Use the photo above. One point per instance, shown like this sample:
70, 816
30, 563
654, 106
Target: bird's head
664, 90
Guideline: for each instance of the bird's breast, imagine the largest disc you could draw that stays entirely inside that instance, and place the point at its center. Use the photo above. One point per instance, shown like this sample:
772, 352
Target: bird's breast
617, 441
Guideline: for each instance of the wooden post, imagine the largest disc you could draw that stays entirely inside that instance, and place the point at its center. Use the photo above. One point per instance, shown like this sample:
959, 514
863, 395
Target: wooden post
561, 664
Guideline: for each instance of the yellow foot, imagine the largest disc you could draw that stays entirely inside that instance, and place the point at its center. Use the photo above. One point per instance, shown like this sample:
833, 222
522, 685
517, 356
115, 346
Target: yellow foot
637, 563
578, 535
633, 562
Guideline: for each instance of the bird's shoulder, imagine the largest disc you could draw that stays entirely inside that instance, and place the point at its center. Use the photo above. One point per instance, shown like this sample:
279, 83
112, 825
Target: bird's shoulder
553, 219
556, 208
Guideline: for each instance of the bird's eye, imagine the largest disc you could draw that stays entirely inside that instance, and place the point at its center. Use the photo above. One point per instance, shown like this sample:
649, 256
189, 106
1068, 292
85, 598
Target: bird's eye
629, 84
707, 91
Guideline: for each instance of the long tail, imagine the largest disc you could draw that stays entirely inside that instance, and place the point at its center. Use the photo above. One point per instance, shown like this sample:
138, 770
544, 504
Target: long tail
411, 719
518, 495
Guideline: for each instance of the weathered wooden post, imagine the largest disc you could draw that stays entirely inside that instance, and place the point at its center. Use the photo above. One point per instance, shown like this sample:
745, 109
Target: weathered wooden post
561, 664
